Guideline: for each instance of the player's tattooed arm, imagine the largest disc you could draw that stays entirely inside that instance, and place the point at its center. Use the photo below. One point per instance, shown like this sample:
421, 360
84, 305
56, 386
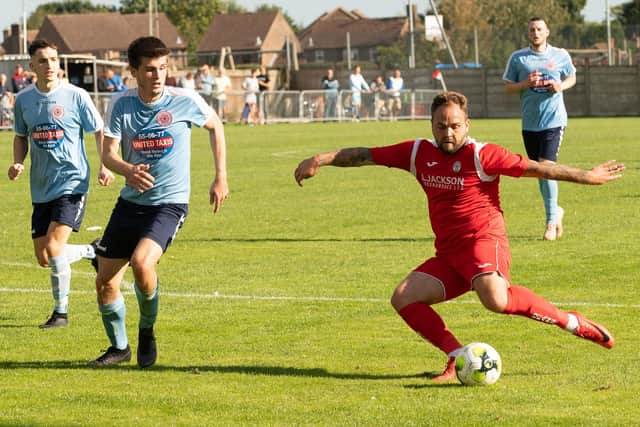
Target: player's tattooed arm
597, 175
347, 157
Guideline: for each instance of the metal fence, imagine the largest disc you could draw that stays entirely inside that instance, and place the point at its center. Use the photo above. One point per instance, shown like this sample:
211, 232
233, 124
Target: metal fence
284, 106
321, 105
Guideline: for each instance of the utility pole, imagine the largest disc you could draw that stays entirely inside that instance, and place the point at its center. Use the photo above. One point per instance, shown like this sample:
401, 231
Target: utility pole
608, 16
412, 46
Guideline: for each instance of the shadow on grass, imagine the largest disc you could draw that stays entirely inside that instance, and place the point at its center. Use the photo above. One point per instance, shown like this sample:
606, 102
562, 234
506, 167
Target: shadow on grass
274, 371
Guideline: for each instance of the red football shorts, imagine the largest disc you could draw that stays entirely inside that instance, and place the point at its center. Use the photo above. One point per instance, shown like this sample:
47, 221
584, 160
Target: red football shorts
456, 269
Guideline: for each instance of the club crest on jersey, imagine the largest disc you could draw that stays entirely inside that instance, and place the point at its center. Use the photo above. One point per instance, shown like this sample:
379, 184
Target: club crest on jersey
456, 166
153, 144
47, 135
57, 111
164, 118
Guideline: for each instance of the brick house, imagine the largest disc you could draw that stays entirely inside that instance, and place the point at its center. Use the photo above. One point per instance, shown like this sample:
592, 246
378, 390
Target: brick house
257, 38
325, 39
107, 35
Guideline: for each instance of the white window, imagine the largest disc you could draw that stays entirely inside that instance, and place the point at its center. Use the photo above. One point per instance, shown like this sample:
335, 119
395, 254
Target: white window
319, 55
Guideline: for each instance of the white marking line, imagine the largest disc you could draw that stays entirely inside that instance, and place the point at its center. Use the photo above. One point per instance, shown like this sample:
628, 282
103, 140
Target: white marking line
217, 295
129, 285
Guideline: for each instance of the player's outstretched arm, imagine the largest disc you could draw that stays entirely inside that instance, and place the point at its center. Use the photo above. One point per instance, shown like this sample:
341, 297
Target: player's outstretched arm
347, 157
20, 149
600, 174
219, 189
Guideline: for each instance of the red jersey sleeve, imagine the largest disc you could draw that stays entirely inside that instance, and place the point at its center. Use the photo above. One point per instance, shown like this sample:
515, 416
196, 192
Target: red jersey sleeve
394, 156
497, 160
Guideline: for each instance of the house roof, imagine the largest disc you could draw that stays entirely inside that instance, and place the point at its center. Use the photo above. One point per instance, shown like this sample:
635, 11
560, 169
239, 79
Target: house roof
330, 30
240, 31
89, 32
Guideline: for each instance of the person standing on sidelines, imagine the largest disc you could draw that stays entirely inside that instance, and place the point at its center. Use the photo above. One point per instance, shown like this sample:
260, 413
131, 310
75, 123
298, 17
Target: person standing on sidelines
330, 85
50, 117
357, 84
539, 74
151, 126
460, 177
395, 86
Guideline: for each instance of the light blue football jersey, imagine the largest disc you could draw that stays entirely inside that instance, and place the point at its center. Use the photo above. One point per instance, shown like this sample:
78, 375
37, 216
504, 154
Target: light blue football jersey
159, 135
54, 123
541, 109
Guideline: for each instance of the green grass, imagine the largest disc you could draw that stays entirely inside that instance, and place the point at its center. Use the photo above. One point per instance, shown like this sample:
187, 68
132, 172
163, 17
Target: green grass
275, 311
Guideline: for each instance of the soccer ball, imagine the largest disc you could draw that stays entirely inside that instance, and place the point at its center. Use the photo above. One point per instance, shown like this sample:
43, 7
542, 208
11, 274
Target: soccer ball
478, 364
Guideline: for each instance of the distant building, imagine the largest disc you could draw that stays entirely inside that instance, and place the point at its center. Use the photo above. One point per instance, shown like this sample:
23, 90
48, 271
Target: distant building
107, 35
13, 43
325, 40
258, 38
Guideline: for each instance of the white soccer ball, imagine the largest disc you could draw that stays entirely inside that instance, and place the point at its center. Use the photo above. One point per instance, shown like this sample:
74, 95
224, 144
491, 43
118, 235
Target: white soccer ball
478, 364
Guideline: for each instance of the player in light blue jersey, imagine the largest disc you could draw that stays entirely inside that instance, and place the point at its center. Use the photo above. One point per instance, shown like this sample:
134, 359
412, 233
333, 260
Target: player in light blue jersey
152, 126
50, 118
540, 73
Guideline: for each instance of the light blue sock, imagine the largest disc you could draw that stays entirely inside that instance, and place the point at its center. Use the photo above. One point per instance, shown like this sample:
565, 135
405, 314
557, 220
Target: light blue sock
60, 282
148, 307
549, 191
113, 317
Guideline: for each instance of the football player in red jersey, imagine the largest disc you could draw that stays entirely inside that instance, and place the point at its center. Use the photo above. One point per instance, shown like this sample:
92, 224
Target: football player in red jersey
460, 177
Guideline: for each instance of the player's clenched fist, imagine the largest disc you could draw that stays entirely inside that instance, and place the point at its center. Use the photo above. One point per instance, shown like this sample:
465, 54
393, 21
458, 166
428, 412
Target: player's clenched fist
15, 170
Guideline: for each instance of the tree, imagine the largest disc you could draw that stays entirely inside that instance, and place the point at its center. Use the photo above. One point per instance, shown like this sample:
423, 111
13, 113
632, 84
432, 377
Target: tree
628, 14
191, 17
573, 9
396, 55
64, 7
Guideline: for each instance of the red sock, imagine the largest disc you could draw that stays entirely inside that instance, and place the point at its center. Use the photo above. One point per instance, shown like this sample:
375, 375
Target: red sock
524, 302
425, 321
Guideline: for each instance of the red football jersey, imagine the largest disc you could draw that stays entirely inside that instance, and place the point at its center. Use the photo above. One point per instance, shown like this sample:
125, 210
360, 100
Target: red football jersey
462, 189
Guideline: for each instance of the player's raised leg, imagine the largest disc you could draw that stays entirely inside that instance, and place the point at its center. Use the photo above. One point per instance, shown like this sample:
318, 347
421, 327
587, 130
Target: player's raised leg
497, 295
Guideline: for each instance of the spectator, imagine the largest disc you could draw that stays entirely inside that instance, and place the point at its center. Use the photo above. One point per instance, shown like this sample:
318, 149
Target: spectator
6, 101
188, 81
379, 91
395, 84
204, 83
251, 87
19, 81
357, 85
263, 84
330, 85
103, 81
115, 81
222, 84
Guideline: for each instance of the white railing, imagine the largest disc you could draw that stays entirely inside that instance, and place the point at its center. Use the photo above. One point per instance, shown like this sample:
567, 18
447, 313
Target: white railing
282, 106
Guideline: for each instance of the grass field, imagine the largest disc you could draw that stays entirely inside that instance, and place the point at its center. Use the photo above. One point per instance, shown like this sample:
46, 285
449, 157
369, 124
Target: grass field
275, 311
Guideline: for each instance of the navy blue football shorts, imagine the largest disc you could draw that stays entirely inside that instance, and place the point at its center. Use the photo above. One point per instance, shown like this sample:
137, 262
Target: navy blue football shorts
131, 222
68, 210
544, 144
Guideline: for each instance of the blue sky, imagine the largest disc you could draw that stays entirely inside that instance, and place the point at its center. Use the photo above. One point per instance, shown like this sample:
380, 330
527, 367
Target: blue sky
303, 12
